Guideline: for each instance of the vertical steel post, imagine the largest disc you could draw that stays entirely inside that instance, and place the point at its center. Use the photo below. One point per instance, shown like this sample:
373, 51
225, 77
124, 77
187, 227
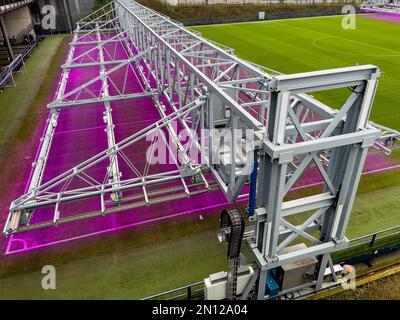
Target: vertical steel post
6, 40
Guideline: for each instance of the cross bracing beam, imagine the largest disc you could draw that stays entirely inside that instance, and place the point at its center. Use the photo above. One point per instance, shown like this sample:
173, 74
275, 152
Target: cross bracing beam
100, 99
98, 24
88, 54
102, 16
88, 43
44, 195
92, 64
95, 16
72, 98
87, 33
90, 34
95, 22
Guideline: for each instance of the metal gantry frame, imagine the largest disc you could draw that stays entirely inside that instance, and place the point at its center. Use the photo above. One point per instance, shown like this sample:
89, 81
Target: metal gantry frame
205, 87
347, 135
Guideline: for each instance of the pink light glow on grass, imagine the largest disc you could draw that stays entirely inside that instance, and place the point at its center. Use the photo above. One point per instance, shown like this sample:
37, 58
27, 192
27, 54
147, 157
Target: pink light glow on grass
26, 247
80, 134
376, 15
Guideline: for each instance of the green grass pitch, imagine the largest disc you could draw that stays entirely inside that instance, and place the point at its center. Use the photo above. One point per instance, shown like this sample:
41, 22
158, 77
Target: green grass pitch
300, 45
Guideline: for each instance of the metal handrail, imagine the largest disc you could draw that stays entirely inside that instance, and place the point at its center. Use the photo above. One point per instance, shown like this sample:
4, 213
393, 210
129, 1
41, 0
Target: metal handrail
374, 236
28, 50
189, 292
7, 72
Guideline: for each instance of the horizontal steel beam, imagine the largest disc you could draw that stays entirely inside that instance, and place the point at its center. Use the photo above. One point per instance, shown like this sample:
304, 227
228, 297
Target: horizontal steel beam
286, 152
91, 64
280, 260
323, 80
307, 204
94, 42
77, 103
308, 127
96, 30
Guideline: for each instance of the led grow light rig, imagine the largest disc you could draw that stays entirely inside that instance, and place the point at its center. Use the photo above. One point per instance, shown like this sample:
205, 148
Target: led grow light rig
210, 88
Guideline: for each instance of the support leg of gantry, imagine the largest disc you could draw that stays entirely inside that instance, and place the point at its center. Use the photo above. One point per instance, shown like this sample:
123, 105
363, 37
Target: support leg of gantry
261, 286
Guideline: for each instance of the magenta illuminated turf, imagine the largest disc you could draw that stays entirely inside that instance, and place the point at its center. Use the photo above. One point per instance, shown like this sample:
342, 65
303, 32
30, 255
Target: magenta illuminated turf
80, 134
390, 17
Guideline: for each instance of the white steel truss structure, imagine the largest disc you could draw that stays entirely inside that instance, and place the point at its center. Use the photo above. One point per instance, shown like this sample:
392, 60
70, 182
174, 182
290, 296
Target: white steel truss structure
205, 87
381, 6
